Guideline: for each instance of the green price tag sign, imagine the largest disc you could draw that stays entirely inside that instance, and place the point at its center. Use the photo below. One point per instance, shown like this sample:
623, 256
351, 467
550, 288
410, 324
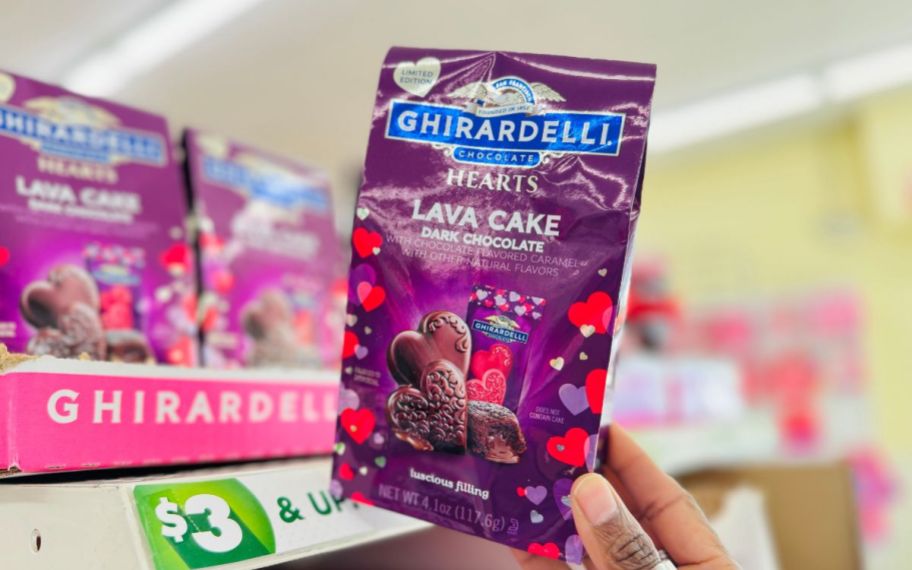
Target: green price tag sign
203, 524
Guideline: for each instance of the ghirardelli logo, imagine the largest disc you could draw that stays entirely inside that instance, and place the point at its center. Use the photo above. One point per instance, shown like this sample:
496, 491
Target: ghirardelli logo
269, 184
69, 127
507, 121
500, 327
504, 96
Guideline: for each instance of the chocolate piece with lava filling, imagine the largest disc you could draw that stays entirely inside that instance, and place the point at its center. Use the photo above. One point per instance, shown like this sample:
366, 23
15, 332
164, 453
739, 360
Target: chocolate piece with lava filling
494, 433
129, 346
434, 417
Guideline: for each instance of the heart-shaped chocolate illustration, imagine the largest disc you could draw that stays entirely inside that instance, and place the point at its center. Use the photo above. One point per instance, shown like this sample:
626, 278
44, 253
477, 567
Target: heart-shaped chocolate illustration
434, 417
81, 326
269, 311
441, 335
43, 302
80, 333
48, 341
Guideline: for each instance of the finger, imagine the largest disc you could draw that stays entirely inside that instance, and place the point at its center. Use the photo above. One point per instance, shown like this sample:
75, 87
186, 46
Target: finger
612, 537
661, 504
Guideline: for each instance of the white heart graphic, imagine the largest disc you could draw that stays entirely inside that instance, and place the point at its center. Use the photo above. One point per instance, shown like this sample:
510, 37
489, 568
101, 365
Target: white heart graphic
417, 78
362, 213
584, 356
520, 310
500, 300
603, 272
557, 363
7, 87
482, 295
587, 330
514, 296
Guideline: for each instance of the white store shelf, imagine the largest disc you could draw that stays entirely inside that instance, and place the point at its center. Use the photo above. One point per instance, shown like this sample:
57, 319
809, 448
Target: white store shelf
111, 525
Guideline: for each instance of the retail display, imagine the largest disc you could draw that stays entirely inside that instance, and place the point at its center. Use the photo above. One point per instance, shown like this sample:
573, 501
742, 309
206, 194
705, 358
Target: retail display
267, 247
510, 182
248, 517
68, 415
94, 255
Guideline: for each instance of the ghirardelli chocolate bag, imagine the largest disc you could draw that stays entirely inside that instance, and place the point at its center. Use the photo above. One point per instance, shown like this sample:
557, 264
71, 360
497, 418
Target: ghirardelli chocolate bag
268, 251
93, 252
492, 242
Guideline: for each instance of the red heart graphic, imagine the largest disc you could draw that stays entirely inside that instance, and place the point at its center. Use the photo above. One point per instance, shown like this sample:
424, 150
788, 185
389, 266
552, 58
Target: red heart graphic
571, 448
177, 257
210, 242
596, 311
346, 473
596, 381
359, 497
521, 491
223, 281
358, 423
371, 296
549, 550
491, 388
498, 357
116, 295
210, 319
349, 344
117, 317
4, 255
366, 241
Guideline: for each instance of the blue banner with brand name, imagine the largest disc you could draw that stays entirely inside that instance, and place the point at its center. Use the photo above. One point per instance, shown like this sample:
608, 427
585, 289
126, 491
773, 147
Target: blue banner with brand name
82, 142
560, 132
284, 191
500, 333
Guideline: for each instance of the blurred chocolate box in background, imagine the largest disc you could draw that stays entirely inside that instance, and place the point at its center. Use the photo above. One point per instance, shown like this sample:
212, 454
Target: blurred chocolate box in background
268, 251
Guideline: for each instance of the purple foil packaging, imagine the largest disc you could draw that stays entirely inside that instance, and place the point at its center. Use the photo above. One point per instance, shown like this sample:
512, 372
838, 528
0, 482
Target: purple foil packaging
512, 181
268, 251
93, 252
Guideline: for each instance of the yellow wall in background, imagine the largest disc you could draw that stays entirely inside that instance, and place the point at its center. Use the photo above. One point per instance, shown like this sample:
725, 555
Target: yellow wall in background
791, 211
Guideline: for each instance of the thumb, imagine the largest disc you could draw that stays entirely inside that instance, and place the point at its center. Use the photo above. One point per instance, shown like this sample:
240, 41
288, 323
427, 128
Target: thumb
612, 537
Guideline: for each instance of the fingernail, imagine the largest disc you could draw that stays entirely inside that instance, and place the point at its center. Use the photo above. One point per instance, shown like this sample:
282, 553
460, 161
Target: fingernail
595, 498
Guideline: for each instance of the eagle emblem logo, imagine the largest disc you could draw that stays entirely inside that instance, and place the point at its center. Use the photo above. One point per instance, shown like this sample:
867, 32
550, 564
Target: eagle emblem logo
505, 96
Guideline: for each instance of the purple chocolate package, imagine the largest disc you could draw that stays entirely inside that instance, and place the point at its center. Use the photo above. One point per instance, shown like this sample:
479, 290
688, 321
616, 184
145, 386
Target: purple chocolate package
267, 251
500, 322
511, 181
93, 253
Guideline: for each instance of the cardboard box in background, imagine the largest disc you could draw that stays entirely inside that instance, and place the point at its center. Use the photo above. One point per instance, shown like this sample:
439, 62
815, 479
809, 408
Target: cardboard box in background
810, 508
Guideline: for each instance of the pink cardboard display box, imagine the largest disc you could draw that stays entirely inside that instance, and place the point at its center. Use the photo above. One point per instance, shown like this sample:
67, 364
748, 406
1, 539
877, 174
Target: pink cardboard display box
68, 415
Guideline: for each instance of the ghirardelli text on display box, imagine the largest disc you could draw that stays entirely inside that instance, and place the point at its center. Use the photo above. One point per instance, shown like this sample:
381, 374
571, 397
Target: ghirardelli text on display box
492, 242
71, 415
93, 252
